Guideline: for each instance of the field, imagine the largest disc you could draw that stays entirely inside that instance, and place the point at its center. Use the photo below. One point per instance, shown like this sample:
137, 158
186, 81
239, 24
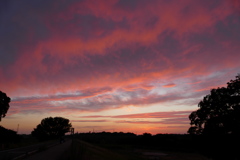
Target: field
106, 146
86, 151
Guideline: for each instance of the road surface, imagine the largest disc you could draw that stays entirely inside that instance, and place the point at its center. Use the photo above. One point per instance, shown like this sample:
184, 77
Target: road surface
52, 153
16, 153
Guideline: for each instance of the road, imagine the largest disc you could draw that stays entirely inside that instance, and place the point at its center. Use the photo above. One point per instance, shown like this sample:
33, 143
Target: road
19, 152
52, 153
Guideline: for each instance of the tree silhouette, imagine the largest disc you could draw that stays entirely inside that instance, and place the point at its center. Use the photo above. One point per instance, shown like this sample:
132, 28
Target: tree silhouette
51, 128
4, 104
216, 124
219, 112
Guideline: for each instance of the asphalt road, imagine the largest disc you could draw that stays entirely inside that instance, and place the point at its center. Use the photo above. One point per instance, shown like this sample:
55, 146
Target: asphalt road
20, 152
52, 153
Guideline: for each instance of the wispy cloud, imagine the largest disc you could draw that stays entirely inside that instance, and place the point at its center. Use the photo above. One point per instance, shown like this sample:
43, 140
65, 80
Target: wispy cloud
97, 121
169, 121
172, 114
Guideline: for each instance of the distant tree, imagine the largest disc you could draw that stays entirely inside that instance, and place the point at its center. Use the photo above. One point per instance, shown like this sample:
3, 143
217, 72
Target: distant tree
4, 104
147, 135
219, 112
51, 128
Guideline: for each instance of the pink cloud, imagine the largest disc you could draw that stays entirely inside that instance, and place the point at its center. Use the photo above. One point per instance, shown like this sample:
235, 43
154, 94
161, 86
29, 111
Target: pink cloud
173, 114
90, 100
97, 121
166, 121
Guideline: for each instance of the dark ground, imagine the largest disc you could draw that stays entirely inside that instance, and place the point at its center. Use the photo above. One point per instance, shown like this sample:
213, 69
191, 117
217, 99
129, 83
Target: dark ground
52, 153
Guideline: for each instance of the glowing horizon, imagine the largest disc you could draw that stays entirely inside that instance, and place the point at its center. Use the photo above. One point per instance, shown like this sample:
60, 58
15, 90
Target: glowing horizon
115, 65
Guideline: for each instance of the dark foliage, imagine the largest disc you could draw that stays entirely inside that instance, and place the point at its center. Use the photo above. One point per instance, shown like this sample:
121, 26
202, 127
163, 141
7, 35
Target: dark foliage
52, 128
8, 136
217, 147
219, 112
4, 104
215, 126
168, 142
107, 137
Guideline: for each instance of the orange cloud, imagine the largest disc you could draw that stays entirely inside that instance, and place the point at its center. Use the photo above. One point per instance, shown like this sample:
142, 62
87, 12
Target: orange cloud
170, 85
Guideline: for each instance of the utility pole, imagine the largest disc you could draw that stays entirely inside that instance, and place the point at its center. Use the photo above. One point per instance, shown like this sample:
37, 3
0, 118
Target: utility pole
17, 128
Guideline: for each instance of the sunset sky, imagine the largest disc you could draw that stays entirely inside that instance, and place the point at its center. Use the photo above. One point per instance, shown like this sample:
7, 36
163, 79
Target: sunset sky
115, 65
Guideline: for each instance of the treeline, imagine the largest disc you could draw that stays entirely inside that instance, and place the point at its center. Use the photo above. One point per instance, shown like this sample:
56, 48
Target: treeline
213, 146
8, 137
173, 142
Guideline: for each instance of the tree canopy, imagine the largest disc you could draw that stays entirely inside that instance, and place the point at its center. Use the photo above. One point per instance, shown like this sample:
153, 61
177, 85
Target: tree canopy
219, 111
50, 128
4, 104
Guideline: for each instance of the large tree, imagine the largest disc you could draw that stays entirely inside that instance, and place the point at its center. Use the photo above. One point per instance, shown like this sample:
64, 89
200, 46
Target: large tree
219, 111
4, 104
50, 128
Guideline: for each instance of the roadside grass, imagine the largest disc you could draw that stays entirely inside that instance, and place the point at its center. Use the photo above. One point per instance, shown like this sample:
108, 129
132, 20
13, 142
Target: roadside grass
184, 156
81, 150
85, 151
157, 153
25, 141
